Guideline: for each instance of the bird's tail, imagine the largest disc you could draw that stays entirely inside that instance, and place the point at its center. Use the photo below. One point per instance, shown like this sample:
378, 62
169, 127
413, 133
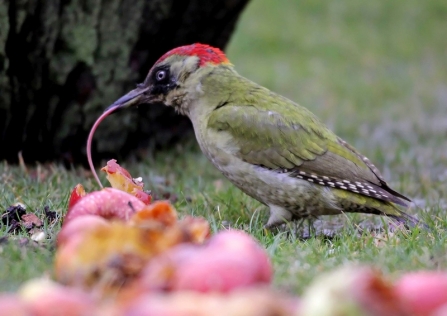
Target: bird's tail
365, 204
408, 220
387, 208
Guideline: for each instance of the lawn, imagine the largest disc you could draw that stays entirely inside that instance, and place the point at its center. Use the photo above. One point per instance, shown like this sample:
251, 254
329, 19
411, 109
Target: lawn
374, 72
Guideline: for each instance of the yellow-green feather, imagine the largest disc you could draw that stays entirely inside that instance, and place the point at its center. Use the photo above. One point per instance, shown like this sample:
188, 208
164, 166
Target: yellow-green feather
272, 131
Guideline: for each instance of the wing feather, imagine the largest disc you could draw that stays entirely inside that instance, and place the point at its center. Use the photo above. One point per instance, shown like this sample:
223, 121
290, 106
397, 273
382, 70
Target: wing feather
276, 140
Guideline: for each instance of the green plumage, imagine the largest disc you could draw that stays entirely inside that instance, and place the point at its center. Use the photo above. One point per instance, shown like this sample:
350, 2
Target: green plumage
273, 132
271, 148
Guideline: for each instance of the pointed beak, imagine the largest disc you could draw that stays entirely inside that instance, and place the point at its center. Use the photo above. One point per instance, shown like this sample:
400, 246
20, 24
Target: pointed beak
134, 97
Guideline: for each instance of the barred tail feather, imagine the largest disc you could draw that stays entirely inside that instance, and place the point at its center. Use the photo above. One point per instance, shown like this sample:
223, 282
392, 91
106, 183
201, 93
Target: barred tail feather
408, 220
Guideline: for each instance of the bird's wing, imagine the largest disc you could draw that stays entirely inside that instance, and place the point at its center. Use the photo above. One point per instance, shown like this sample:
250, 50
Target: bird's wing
302, 146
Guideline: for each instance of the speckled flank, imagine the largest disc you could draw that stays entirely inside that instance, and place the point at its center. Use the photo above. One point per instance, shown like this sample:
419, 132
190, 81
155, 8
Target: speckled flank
288, 193
287, 196
356, 187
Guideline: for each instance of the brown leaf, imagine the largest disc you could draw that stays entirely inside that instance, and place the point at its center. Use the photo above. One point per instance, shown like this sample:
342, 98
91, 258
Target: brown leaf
31, 219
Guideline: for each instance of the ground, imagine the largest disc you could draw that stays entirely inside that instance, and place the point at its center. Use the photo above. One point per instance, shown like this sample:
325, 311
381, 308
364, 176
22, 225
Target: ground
374, 72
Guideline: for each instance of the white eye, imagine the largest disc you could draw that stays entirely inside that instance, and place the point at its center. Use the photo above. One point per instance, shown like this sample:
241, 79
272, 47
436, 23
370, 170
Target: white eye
160, 75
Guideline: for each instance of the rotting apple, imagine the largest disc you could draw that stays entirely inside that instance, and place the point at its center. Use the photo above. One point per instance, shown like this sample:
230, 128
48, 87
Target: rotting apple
109, 203
217, 266
423, 291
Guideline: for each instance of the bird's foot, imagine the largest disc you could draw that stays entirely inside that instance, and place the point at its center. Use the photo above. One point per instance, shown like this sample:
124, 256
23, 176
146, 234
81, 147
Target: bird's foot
278, 216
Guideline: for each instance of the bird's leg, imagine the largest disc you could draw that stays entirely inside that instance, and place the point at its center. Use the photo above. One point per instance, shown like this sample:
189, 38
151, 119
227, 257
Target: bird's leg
293, 227
278, 216
310, 225
298, 222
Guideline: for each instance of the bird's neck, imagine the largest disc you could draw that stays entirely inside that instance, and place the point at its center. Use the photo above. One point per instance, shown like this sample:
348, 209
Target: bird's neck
213, 87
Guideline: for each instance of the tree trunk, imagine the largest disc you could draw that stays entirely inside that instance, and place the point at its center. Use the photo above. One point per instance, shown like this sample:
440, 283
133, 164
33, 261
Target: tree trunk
62, 62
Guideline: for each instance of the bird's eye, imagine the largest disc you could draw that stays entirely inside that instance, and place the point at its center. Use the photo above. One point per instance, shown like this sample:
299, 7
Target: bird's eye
160, 75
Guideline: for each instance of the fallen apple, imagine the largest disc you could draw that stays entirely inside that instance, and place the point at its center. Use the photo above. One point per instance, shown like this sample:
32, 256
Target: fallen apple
78, 225
217, 266
160, 212
423, 291
352, 291
12, 304
44, 297
108, 203
197, 228
243, 302
110, 255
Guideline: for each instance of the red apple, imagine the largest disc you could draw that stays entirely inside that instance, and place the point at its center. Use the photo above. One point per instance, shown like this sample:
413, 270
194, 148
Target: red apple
423, 291
253, 301
78, 225
108, 203
352, 290
13, 305
230, 260
46, 298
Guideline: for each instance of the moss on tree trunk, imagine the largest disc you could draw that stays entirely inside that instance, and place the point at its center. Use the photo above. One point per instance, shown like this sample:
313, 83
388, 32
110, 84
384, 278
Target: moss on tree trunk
62, 62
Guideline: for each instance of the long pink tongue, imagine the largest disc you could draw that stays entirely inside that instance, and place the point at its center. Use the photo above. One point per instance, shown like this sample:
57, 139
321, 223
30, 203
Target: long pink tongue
89, 142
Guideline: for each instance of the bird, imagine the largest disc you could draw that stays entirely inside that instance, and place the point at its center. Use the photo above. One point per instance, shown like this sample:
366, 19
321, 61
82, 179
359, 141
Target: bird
271, 148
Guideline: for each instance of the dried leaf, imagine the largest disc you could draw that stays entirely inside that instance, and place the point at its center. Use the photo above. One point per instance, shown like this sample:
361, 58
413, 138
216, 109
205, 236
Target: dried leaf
29, 220
77, 194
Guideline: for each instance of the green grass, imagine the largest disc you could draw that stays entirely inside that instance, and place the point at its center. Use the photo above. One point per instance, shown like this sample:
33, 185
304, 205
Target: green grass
375, 72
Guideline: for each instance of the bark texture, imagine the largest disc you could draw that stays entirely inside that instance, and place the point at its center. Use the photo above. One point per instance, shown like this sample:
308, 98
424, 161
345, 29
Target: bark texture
62, 62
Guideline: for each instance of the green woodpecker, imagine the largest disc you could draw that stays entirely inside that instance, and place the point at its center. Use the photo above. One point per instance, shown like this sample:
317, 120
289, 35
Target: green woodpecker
271, 148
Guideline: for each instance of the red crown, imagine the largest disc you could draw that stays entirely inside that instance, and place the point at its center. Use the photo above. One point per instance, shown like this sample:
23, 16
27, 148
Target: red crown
207, 54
